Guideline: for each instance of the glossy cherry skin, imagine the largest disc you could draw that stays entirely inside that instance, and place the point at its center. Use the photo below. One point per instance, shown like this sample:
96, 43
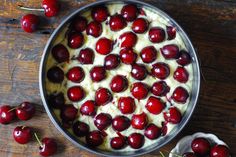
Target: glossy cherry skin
180, 95
22, 134
154, 105
60, 53
152, 131
88, 108
29, 23
119, 83
173, 115
189, 154
148, 54
99, 13
25, 111
184, 58
103, 96
140, 25
156, 35
129, 12
51, 7
139, 72
76, 74
170, 51
48, 148
79, 24
117, 22
160, 88
201, 146
86, 56
171, 32
75, 40
55, 74
75, 93
160, 70
94, 29
102, 121
118, 142
80, 129
68, 113
120, 123
136, 140
126, 105
220, 151
128, 56
128, 39
139, 121
111, 61
139, 90
97, 73
57, 100
104, 46
94, 138
181, 75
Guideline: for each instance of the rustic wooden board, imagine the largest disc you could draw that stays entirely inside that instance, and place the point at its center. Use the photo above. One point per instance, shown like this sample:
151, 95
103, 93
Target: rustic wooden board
211, 26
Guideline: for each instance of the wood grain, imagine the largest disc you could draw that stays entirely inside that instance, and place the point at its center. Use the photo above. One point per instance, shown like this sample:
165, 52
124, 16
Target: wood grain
211, 26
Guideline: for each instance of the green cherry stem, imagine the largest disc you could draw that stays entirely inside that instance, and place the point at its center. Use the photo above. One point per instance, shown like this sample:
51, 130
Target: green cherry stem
30, 9
40, 143
12, 109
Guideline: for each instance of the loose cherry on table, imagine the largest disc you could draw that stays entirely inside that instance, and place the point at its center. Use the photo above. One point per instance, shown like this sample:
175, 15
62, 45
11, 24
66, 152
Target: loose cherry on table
22, 134
170, 51
25, 111
173, 115
80, 129
160, 70
86, 56
148, 54
120, 123
102, 121
181, 75
154, 105
75, 93
76, 74
88, 108
55, 74
126, 105
94, 29
103, 96
128, 39
119, 83
99, 13
139, 72
180, 95
117, 22
104, 46
160, 88
111, 61
219, 151
94, 138
140, 25
139, 121
29, 23
201, 146
7, 114
156, 35
136, 140
60, 53
139, 90
129, 12
118, 142
98, 73
152, 131
128, 56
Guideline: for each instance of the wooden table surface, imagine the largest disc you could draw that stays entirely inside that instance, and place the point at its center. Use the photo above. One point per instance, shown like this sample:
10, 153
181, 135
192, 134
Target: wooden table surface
211, 25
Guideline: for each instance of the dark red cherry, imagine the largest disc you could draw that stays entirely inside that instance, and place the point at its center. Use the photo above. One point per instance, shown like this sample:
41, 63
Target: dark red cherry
79, 23
97, 73
181, 74
104, 46
51, 7
117, 22
152, 131
25, 111
180, 95
29, 23
118, 142
80, 129
201, 146
86, 56
129, 12
170, 51
57, 100
128, 39
156, 34
103, 96
88, 108
75, 93
94, 29
119, 83
60, 53
139, 72
6, 114
171, 32
173, 115
154, 105
76, 74
94, 138
189, 154
48, 147
102, 121
139, 121
120, 123
184, 58
68, 113
128, 56
148, 54
220, 151
99, 13
126, 105
136, 140
75, 40
140, 25
160, 88
22, 134
160, 70
55, 74
139, 90
111, 61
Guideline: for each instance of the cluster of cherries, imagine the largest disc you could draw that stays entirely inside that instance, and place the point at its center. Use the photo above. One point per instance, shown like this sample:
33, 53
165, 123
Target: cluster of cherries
23, 134
201, 147
119, 83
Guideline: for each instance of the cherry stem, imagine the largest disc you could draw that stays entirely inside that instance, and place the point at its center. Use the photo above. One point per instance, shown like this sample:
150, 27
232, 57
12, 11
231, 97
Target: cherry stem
161, 154
30, 9
23, 127
41, 145
12, 109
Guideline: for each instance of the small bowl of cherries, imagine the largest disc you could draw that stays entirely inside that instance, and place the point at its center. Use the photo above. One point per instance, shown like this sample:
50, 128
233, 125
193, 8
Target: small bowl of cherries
200, 145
